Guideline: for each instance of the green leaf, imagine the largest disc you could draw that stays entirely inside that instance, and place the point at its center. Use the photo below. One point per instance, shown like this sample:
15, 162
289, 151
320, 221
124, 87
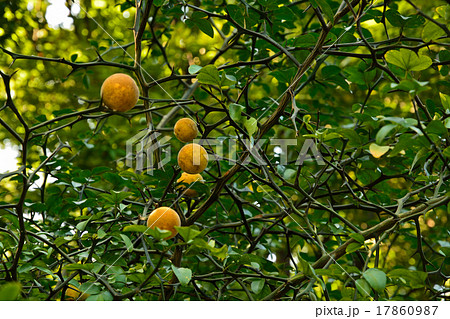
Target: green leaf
120, 196
325, 8
158, 3
381, 134
376, 279
305, 41
156, 233
444, 12
353, 137
408, 60
289, 174
77, 266
446, 152
420, 154
82, 225
236, 112
251, 125
128, 242
264, 189
284, 75
352, 248
360, 74
136, 228
100, 169
86, 81
432, 31
436, 127
203, 24
305, 268
61, 241
411, 86
268, 3
194, 68
220, 253
445, 100
184, 275
115, 197
209, 75
10, 291
398, 20
73, 57
408, 122
46, 270
410, 278
330, 70
358, 237
245, 18
255, 265
226, 79
25, 268
257, 286
89, 288
445, 251
363, 287
104, 296
394, 18
188, 233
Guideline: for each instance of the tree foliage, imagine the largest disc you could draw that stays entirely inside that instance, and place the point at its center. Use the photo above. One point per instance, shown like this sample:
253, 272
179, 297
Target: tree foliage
363, 84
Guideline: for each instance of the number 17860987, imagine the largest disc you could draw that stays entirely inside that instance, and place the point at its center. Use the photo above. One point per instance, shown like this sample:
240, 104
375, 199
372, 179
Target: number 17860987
406, 310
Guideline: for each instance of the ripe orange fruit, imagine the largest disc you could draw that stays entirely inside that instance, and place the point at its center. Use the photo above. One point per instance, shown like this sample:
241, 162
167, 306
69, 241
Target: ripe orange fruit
165, 218
189, 179
192, 158
119, 92
185, 130
74, 294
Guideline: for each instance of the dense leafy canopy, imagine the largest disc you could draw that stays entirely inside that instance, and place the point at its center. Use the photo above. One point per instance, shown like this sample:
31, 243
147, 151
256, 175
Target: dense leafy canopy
361, 85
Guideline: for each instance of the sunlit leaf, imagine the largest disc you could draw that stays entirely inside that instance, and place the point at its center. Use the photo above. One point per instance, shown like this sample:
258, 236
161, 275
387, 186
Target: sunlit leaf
194, 68
377, 151
408, 60
10, 291
445, 100
432, 31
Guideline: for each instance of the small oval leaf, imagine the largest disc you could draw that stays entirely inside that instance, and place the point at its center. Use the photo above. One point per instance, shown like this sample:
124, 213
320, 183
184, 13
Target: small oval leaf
377, 151
184, 275
376, 279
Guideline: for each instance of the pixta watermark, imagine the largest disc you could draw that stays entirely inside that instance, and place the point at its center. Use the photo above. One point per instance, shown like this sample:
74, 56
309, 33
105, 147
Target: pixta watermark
141, 149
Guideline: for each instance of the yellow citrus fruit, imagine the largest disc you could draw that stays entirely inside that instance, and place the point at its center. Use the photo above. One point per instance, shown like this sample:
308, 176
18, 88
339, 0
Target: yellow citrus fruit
165, 218
119, 92
192, 158
74, 294
185, 130
189, 179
